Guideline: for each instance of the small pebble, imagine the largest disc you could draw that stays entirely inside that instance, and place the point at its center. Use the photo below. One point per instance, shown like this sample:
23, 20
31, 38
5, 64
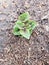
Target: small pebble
29, 49
5, 5
48, 62
45, 17
27, 5
47, 28
24, 61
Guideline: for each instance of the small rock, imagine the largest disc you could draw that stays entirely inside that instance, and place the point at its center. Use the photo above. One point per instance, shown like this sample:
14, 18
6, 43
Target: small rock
5, 5
40, 63
45, 17
48, 62
1, 60
27, 5
29, 49
46, 27
24, 61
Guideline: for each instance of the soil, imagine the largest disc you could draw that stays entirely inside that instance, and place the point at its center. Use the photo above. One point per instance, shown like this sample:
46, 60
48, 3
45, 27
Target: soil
15, 50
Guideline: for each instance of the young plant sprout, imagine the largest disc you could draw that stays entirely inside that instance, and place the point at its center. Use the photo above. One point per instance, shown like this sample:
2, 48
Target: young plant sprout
23, 26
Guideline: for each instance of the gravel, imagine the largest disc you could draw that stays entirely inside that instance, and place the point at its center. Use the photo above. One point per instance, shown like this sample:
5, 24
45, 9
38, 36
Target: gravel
15, 50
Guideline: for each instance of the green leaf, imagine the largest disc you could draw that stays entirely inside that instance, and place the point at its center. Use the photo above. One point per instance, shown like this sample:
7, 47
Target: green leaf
32, 24
16, 30
25, 34
19, 24
24, 17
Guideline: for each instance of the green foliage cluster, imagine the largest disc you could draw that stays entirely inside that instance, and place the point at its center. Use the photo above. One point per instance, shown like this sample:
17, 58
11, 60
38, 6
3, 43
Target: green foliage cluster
23, 26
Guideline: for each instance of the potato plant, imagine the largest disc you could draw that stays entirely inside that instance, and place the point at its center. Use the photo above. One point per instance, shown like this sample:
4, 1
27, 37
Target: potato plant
24, 26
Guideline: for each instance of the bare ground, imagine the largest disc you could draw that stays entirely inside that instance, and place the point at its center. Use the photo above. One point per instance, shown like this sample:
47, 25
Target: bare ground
19, 51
